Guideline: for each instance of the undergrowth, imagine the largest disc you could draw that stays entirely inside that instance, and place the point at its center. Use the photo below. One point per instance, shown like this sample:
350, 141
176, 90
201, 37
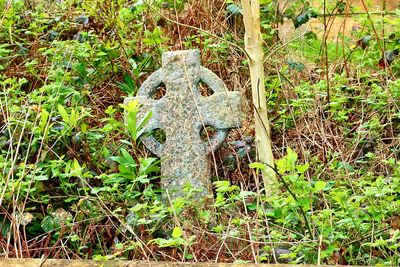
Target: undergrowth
76, 182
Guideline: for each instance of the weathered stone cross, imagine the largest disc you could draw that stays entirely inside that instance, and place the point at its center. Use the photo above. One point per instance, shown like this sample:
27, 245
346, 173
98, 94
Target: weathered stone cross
182, 113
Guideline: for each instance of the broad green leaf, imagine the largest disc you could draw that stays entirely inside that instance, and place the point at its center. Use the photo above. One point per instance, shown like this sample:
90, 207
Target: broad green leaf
291, 156
319, 185
64, 114
177, 232
44, 115
128, 157
288, 162
96, 190
49, 224
189, 256
41, 178
147, 165
165, 243
302, 168
304, 17
257, 165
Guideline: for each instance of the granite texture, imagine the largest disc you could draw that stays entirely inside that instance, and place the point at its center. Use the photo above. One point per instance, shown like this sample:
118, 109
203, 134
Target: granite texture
181, 113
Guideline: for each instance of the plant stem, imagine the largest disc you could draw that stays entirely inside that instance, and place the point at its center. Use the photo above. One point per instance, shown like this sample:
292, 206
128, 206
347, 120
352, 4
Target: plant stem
293, 195
328, 94
253, 46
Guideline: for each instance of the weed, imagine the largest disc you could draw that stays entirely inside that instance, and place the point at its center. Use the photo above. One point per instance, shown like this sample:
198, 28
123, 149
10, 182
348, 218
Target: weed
76, 181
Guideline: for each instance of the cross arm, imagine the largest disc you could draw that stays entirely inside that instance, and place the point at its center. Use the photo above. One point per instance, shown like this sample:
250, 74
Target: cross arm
221, 110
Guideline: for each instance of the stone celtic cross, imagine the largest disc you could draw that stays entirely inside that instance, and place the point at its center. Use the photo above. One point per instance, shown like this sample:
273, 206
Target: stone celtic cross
182, 113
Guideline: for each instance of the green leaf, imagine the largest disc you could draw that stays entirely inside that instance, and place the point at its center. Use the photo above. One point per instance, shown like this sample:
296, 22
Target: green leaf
319, 185
257, 165
48, 224
165, 243
291, 156
364, 41
288, 162
64, 114
5, 226
129, 159
96, 190
147, 165
177, 232
132, 124
304, 17
44, 115
234, 9
41, 178
70, 199
302, 168
128, 86
188, 256
140, 130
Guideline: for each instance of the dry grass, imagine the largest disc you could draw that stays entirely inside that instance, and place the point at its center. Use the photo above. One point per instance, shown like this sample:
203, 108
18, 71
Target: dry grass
315, 134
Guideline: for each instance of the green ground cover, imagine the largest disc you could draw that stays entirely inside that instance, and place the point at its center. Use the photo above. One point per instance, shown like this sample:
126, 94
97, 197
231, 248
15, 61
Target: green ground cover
76, 182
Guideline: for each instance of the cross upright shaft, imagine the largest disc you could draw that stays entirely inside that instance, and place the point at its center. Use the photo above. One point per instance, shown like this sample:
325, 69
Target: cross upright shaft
182, 113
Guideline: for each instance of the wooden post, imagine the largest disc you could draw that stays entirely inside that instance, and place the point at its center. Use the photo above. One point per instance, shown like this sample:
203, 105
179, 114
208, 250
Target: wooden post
253, 46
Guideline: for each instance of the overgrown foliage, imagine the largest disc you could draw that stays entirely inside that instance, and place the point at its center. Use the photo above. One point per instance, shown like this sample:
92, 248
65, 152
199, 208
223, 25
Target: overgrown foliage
76, 182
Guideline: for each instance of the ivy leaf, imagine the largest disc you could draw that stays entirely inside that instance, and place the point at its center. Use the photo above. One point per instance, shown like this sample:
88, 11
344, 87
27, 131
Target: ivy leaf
304, 17
234, 9
364, 41
341, 6
49, 224
311, 35
389, 57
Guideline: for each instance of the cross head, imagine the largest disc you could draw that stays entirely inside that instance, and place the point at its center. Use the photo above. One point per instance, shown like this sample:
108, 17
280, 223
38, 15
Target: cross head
182, 113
